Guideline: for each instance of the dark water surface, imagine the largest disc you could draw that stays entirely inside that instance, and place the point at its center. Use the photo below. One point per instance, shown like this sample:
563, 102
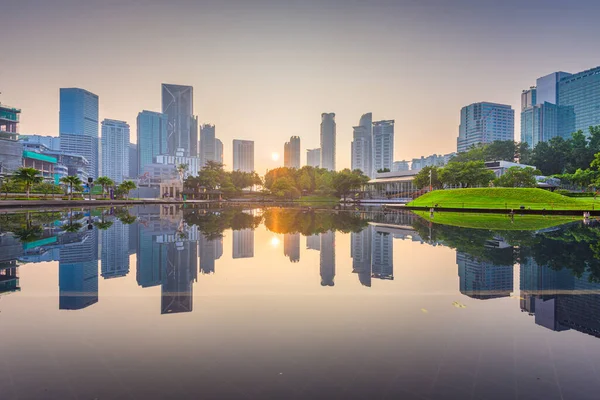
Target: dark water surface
160, 302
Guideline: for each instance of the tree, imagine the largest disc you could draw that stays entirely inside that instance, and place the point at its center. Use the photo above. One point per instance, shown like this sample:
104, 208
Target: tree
345, 181
8, 185
500, 150
518, 177
382, 170
284, 187
71, 181
45, 188
422, 180
28, 176
127, 186
181, 169
466, 174
105, 182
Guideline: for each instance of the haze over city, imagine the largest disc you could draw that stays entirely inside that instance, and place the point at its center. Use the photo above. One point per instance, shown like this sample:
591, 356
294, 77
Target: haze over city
266, 70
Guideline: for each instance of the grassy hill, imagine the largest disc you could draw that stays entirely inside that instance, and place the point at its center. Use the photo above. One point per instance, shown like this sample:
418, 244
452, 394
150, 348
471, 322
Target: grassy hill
503, 198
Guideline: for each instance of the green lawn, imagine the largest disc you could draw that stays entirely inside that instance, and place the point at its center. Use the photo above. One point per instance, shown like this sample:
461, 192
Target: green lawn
500, 222
503, 198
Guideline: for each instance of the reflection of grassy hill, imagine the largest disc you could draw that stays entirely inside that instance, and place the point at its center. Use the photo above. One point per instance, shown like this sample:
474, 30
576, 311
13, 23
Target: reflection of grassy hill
499, 222
502, 198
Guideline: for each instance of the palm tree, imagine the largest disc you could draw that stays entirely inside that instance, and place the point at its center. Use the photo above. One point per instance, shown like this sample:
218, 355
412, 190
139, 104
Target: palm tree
29, 177
71, 180
103, 225
126, 186
181, 168
105, 182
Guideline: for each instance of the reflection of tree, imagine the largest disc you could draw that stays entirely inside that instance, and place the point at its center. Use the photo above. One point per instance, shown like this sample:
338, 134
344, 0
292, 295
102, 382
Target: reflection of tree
29, 233
123, 215
212, 223
308, 222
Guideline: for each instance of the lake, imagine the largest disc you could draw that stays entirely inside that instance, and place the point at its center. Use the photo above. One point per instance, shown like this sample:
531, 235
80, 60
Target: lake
243, 303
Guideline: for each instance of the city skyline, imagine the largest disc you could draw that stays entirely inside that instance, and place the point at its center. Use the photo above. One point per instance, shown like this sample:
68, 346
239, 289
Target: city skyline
263, 96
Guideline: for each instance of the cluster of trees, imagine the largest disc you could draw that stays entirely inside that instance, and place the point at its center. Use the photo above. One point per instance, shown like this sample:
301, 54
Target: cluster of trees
292, 182
583, 178
212, 177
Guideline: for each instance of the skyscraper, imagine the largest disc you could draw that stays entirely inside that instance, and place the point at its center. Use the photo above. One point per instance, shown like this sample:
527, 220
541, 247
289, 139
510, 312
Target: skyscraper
541, 117
327, 258
362, 147
115, 150
133, 161
152, 137
78, 125
291, 246
243, 155
328, 141
243, 243
581, 91
208, 145
218, 151
313, 158
383, 145
182, 128
291, 153
482, 123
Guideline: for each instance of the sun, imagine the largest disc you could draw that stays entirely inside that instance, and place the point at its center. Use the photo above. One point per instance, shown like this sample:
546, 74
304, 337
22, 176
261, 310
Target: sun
275, 156
275, 241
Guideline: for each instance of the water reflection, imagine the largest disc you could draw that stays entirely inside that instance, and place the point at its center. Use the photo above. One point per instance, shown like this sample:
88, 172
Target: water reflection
559, 267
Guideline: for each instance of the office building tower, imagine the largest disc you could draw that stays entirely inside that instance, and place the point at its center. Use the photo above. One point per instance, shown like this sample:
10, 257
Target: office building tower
383, 146
152, 137
182, 126
78, 126
382, 255
483, 280
398, 166
581, 92
291, 153
50, 142
433, 160
542, 118
313, 242
115, 150
209, 145
327, 258
133, 161
328, 141
218, 151
483, 123
360, 249
291, 246
114, 256
313, 158
243, 155
11, 150
209, 250
243, 243
362, 145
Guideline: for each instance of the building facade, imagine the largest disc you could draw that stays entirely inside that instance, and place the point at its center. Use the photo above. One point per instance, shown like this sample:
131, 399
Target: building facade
182, 127
291, 153
383, 145
50, 142
581, 91
78, 126
152, 137
362, 145
133, 161
398, 166
193, 163
313, 158
115, 150
218, 151
208, 145
483, 123
434, 160
243, 155
11, 150
243, 243
328, 141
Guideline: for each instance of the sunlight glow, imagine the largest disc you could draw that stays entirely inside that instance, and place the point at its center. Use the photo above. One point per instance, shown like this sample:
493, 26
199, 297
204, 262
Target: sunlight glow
275, 156
275, 241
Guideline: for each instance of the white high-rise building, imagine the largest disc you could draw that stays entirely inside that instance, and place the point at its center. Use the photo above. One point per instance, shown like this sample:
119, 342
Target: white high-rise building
313, 158
328, 141
115, 150
243, 155
383, 145
362, 157
482, 123
211, 148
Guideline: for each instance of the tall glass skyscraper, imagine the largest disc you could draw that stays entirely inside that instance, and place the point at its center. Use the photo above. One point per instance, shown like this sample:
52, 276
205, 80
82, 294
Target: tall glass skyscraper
328, 138
362, 151
151, 137
211, 148
78, 119
178, 105
291, 153
482, 123
581, 91
115, 150
383, 145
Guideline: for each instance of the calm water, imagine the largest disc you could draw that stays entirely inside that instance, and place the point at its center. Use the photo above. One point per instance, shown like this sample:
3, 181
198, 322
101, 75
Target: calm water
160, 302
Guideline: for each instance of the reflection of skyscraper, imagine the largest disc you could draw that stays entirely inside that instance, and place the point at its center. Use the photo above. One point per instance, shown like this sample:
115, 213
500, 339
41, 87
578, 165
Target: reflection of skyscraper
291, 246
313, 242
10, 249
327, 260
482, 280
178, 282
360, 248
78, 271
134, 239
114, 257
151, 256
243, 243
209, 251
382, 256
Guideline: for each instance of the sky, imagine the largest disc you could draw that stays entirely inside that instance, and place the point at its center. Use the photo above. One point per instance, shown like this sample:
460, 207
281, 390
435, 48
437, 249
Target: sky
265, 70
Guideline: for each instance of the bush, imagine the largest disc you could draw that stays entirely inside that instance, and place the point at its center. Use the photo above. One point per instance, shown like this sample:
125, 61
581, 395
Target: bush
580, 194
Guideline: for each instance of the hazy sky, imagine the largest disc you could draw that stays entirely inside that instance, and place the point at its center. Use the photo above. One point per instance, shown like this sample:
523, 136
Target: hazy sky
266, 69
